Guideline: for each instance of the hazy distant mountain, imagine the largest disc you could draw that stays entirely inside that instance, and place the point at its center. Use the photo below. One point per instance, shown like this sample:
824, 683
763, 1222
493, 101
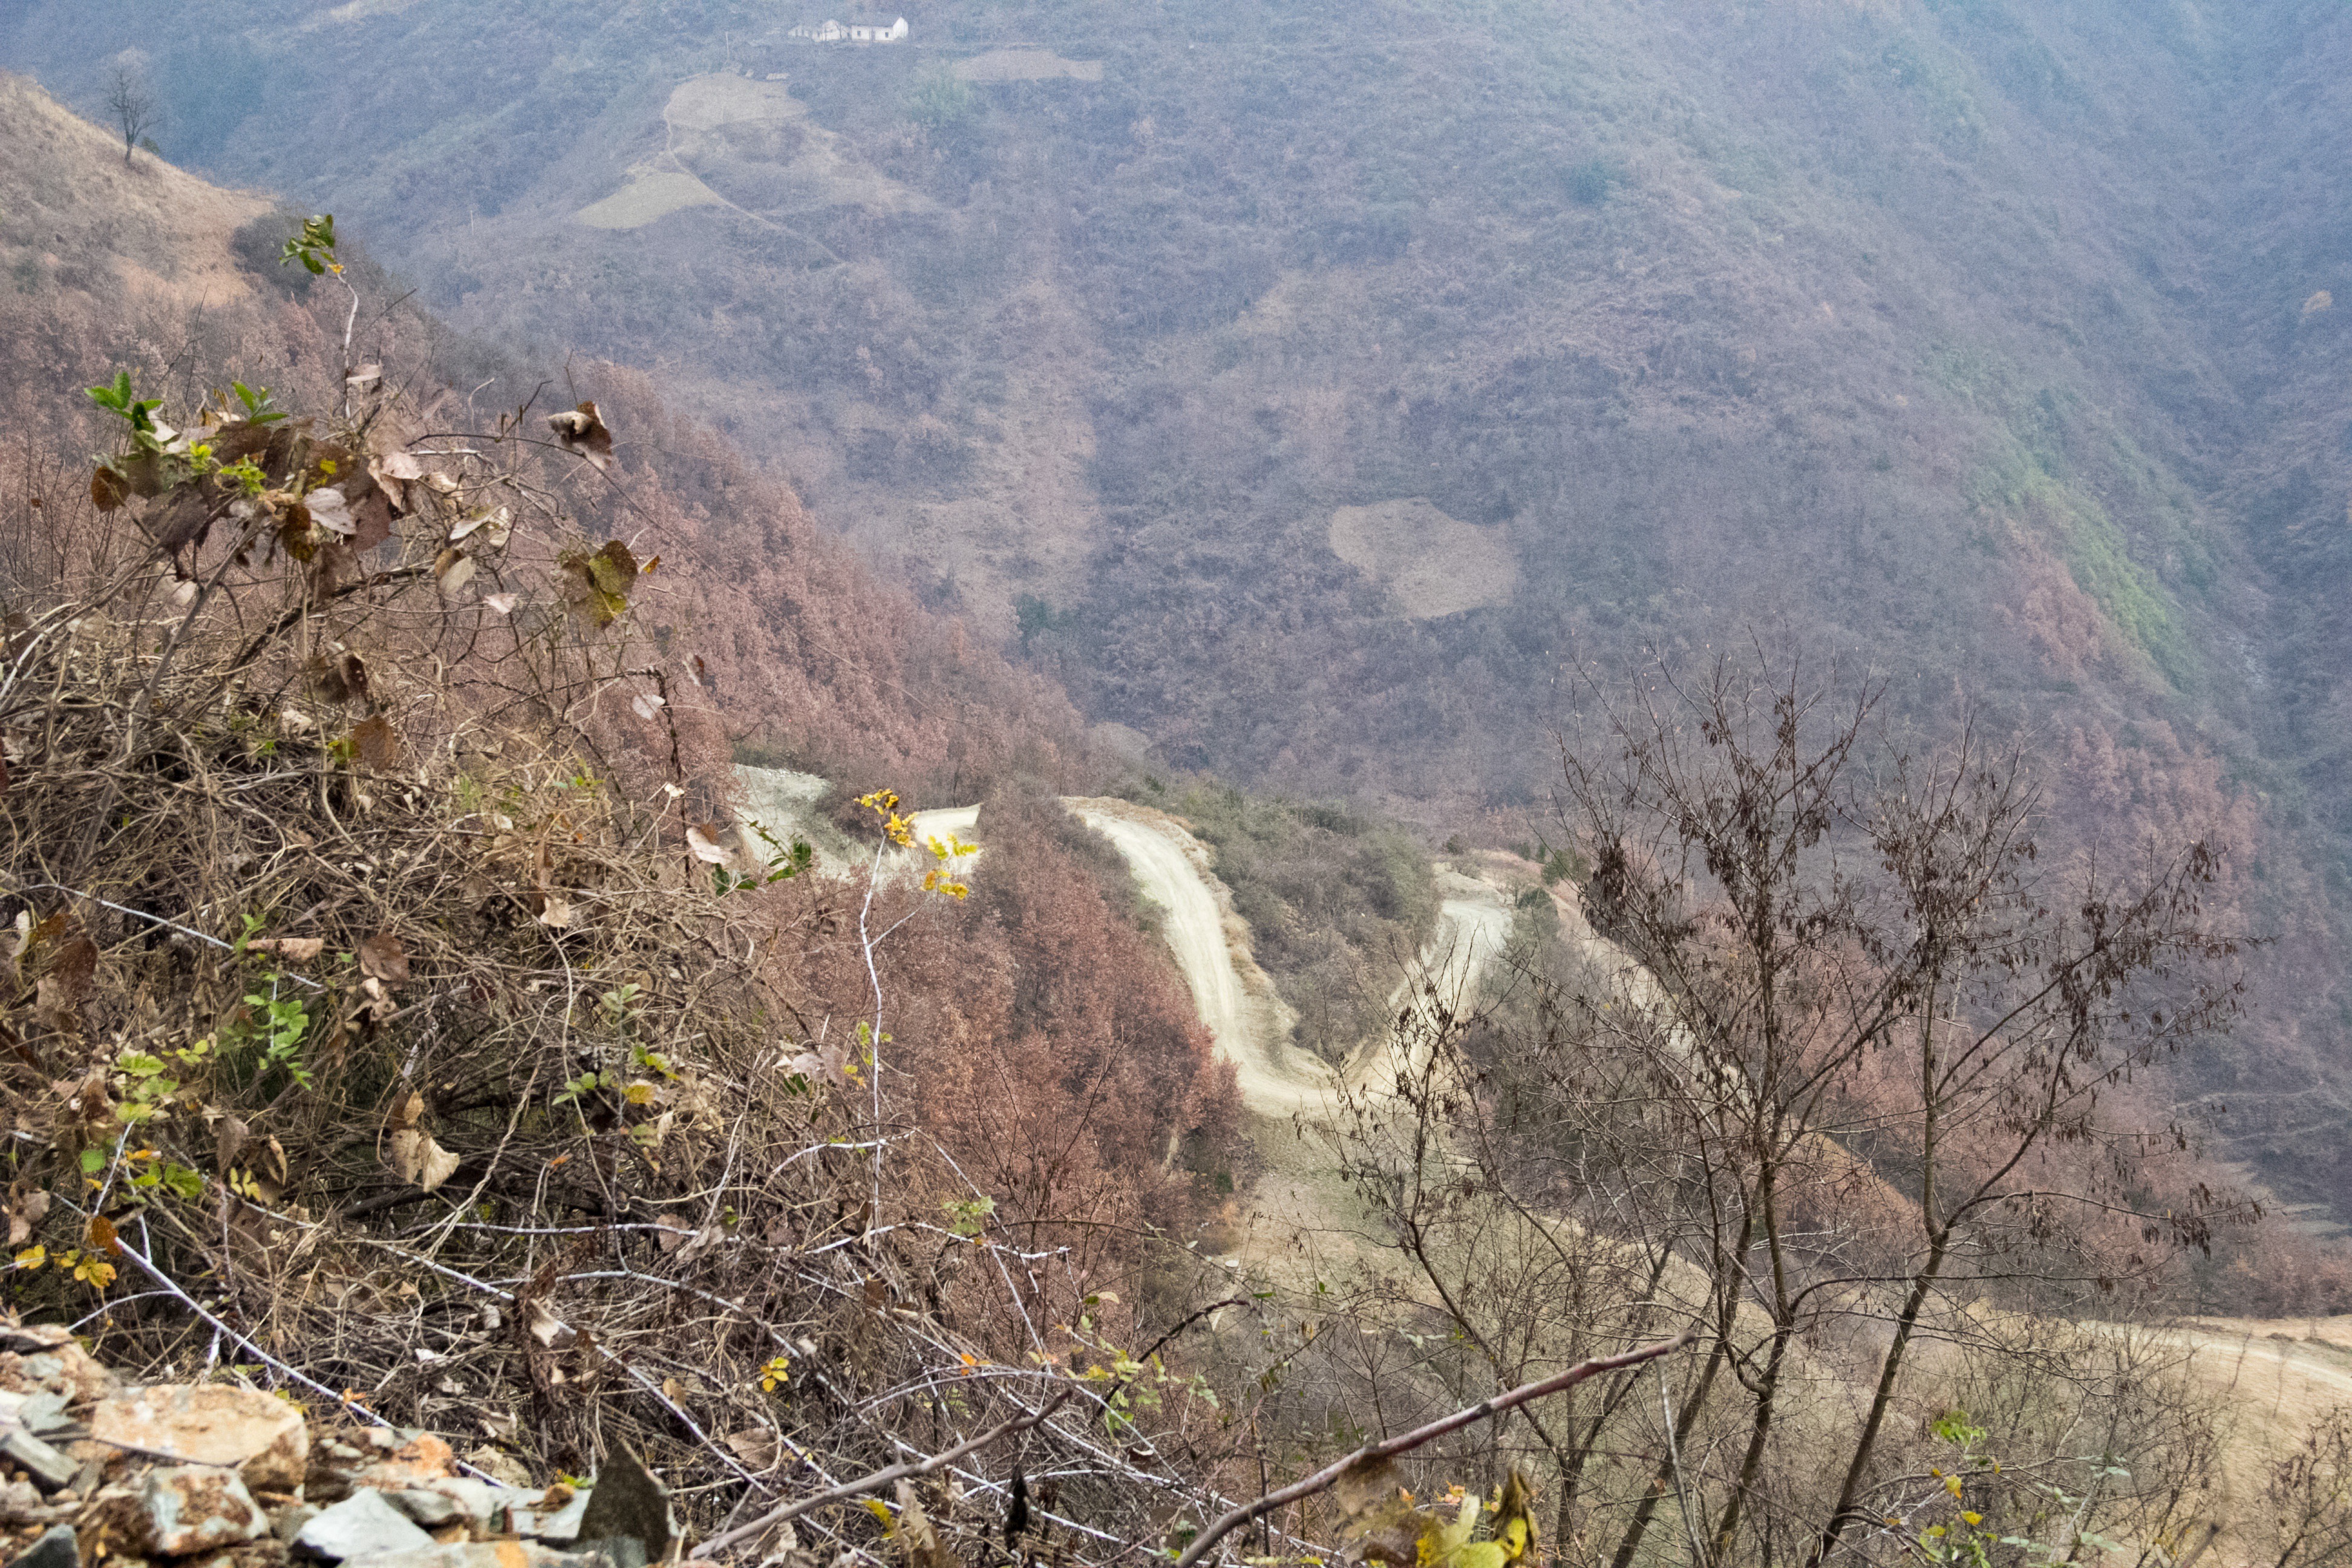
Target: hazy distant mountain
1307, 383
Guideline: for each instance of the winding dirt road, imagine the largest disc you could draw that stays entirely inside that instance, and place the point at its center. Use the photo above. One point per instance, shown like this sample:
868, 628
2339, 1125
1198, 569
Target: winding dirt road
1244, 1014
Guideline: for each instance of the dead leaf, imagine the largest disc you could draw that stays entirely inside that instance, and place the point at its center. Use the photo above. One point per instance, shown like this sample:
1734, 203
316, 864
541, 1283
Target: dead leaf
107, 490
416, 1157
332, 511
377, 743
703, 839
395, 471
230, 1136
756, 1447
384, 957
583, 431
547, 1328
645, 704
373, 514
293, 948
362, 375
674, 1232
494, 526
409, 1111
503, 604
26, 1210
557, 911
453, 570
98, 1235
876, 1293
278, 1160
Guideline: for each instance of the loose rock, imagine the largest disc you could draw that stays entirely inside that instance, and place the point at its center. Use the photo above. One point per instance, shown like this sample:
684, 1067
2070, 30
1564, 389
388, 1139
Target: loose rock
50, 1469
430, 1510
210, 1424
486, 1554
56, 1549
194, 1508
564, 1524
422, 1458
362, 1525
629, 1505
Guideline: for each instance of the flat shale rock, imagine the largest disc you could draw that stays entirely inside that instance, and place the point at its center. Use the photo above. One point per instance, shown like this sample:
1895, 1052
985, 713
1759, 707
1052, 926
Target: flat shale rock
363, 1526
264, 1437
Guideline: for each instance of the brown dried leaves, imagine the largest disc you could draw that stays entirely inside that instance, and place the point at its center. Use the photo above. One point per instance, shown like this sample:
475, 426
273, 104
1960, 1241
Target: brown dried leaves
583, 431
412, 1153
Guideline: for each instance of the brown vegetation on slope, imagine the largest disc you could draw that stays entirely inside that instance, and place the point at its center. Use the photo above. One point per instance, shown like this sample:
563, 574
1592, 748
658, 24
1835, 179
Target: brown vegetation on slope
371, 1002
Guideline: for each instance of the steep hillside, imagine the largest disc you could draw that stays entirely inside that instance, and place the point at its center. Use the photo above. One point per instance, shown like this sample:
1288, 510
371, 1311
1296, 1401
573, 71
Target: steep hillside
1307, 385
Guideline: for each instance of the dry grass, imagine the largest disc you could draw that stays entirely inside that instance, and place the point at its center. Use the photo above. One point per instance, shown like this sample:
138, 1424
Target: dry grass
72, 197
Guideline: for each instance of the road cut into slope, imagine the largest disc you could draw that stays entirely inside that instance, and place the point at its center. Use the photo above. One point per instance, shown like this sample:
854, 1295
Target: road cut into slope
1238, 1004
1247, 1019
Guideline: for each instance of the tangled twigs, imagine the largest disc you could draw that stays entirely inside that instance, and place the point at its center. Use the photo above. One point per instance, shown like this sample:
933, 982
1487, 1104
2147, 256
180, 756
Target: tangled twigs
912, 1470
1373, 1453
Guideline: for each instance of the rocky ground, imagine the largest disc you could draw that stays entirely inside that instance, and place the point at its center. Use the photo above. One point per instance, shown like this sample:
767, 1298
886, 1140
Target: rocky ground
218, 1476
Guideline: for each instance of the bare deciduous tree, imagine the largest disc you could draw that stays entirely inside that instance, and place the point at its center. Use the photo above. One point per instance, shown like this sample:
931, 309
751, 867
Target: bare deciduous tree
1845, 1051
130, 98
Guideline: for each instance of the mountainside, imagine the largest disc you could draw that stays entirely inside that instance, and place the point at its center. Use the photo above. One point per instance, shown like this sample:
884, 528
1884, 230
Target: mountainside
1307, 386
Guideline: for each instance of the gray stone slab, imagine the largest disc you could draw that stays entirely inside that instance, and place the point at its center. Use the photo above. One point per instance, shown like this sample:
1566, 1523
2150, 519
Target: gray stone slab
50, 1470
57, 1548
362, 1525
628, 1504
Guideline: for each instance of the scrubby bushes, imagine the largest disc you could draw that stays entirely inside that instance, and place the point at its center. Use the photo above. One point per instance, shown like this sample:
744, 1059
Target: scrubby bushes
376, 1023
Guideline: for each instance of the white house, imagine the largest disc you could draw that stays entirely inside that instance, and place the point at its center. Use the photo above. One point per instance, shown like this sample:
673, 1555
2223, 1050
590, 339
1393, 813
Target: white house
866, 30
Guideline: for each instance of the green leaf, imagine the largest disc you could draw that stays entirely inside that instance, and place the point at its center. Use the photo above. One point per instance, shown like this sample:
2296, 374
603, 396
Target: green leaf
93, 1160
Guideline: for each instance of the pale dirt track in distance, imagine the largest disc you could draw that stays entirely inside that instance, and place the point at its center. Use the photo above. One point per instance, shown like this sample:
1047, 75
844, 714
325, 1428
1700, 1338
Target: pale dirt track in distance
1248, 1022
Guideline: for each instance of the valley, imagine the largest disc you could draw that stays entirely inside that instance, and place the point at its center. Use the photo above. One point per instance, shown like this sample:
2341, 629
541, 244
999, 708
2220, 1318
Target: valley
1369, 518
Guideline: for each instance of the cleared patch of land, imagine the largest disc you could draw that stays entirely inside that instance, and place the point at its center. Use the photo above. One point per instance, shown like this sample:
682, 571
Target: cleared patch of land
1025, 65
654, 194
1431, 564
730, 141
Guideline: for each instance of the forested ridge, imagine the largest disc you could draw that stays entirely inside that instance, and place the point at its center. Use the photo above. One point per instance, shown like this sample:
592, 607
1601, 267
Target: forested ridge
1986, 345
